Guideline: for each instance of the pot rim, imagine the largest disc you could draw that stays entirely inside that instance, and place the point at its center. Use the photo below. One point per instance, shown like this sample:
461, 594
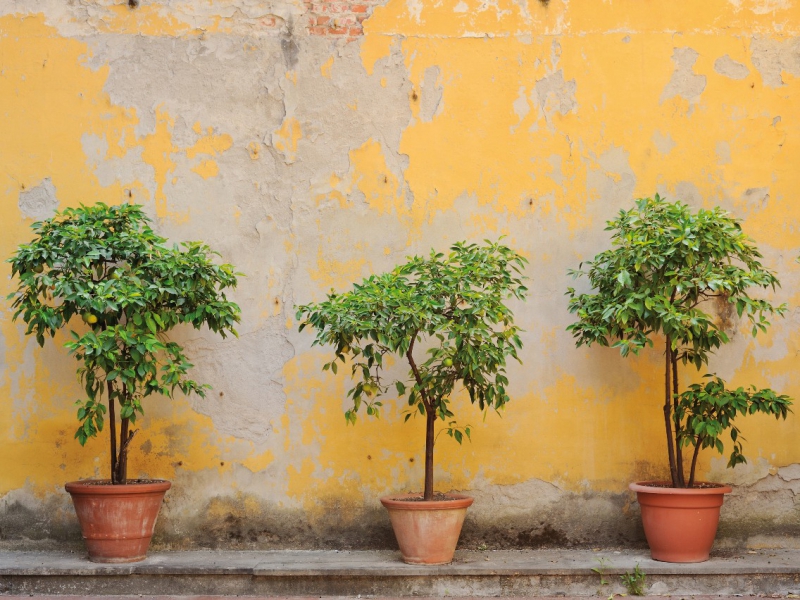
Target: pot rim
641, 487
85, 488
400, 502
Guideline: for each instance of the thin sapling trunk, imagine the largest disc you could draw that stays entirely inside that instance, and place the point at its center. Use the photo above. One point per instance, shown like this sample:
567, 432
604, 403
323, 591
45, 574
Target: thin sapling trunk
673, 469
430, 421
112, 432
678, 441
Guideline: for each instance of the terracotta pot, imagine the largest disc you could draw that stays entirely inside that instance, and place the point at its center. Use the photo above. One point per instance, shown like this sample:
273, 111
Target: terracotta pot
427, 531
117, 520
680, 524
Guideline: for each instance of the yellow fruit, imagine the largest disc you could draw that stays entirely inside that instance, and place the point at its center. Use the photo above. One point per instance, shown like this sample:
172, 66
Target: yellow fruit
89, 318
345, 349
447, 362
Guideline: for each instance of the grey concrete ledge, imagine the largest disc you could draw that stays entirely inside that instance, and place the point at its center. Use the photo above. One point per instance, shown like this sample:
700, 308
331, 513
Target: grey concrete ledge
473, 573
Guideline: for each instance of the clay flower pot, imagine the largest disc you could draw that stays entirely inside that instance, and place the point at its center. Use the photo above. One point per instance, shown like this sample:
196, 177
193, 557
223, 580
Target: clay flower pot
117, 521
680, 524
427, 531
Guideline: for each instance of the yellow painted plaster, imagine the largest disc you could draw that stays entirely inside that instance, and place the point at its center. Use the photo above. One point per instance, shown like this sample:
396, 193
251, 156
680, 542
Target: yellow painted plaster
493, 138
51, 100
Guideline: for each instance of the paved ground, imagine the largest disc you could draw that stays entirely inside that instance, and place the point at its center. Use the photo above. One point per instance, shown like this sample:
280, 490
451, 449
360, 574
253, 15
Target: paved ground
316, 574
138, 597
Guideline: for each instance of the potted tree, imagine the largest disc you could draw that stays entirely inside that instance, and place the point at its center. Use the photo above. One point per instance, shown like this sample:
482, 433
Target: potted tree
446, 316
659, 282
104, 265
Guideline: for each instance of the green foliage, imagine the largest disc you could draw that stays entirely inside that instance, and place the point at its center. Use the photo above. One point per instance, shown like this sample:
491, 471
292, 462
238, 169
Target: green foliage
666, 265
105, 265
666, 261
708, 410
634, 582
454, 305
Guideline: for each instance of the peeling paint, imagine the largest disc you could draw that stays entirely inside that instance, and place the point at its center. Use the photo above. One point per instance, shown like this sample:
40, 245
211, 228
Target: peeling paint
684, 81
728, 67
39, 202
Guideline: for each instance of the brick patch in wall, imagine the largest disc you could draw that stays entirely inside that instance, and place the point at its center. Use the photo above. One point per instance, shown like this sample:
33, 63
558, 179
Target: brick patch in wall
339, 18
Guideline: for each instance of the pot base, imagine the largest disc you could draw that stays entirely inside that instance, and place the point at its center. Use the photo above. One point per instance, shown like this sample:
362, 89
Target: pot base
117, 521
680, 523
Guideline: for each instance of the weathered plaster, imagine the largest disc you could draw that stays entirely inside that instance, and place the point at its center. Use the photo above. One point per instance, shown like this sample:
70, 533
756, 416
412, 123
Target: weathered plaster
315, 143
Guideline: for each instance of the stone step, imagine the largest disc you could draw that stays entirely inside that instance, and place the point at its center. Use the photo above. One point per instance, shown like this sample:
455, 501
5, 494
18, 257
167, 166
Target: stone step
561, 573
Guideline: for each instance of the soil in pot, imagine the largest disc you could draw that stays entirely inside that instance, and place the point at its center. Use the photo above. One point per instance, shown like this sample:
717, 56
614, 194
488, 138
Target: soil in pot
117, 521
427, 531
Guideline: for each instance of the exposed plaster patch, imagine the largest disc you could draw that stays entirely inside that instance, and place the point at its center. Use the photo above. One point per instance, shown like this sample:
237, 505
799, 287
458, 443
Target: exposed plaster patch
756, 198
523, 9
723, 152
728, 67
790, 473
521, 105
688, 192
247, 380
684, 81
756, 469
762, 7
415, 9
556, 174
771, 57
555, 95
39, 202
615, 180
664, 142
430, 103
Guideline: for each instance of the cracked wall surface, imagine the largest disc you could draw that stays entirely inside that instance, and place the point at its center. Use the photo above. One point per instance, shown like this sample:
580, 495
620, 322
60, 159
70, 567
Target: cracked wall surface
314, 143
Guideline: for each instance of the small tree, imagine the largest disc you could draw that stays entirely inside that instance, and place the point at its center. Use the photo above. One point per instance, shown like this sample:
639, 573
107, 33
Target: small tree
106, 265
452, 305
667, 263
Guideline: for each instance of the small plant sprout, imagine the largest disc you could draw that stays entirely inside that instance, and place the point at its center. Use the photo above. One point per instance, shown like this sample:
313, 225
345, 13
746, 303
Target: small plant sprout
452, 305
600, 569
634, 582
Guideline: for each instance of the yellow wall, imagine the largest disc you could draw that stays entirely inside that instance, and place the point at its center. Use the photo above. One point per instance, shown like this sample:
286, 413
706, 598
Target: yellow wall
311, 161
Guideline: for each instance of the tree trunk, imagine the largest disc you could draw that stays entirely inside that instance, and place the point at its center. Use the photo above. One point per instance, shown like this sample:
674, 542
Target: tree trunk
430, 421
678, 444
112, 432
698, 443
668, 414
122, 460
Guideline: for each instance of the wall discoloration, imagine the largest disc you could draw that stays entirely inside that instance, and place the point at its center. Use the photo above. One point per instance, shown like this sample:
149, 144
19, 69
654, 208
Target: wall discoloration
684, 81
314, 143
725, 65
39, 202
